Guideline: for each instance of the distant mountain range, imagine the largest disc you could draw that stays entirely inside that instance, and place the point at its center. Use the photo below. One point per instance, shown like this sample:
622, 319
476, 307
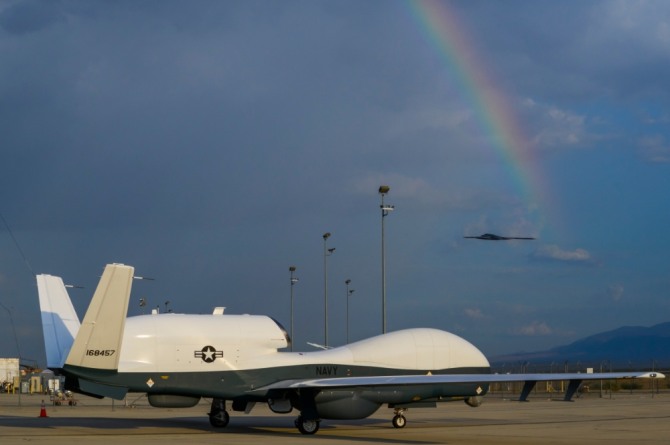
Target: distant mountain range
622, 347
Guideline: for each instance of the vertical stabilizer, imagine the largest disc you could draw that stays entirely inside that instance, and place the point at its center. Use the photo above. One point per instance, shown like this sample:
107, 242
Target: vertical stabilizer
98, 342
60, 323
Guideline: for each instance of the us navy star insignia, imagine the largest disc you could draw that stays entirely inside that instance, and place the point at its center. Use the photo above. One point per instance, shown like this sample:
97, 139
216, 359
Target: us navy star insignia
208, 354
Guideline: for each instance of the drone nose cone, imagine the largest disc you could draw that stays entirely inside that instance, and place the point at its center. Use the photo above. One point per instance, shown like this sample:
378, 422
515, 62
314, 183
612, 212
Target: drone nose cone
421, 348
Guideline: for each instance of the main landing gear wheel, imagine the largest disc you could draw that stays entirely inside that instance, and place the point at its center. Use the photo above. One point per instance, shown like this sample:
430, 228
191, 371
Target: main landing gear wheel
219, 419
306, 426
218, 416
399, 421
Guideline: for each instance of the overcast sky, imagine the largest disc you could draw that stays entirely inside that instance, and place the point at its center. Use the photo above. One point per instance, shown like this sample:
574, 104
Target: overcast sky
210, 145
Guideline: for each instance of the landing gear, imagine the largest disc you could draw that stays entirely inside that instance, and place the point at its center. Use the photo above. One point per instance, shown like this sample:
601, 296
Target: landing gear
218, 417
308, 420
399, 420
307, 426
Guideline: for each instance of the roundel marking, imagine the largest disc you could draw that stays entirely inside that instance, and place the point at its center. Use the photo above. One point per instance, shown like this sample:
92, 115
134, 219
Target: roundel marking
208, 354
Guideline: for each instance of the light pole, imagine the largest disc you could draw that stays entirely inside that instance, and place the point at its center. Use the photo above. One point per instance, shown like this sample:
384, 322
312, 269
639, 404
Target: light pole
349, 292
293, 281
11, 319
386, 209
326, 253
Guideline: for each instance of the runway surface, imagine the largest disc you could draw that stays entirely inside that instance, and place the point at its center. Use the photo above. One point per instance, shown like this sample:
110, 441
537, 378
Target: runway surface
639, 418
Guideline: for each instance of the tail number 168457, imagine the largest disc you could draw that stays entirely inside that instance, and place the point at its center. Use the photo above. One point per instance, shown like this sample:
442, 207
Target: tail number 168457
100, 352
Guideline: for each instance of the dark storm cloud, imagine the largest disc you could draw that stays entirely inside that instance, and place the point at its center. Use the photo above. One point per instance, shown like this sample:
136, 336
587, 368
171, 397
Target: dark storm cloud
148, 95
211, 144
566, 51
23, 17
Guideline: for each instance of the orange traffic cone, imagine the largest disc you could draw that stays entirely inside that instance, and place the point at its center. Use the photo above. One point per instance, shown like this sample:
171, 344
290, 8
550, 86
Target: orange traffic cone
43, 410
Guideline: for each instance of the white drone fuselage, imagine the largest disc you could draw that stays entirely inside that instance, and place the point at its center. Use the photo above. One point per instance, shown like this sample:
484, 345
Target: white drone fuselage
177, 359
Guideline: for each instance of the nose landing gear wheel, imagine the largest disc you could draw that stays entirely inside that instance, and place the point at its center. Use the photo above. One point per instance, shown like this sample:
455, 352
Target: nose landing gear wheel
399, 421
306, 426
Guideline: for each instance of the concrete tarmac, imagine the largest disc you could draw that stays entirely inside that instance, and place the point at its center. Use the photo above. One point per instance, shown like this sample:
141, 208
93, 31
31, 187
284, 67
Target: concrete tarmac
640, 418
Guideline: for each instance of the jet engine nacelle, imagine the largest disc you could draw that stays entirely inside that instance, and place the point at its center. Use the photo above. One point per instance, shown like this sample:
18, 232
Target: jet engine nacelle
172, 401
344, 404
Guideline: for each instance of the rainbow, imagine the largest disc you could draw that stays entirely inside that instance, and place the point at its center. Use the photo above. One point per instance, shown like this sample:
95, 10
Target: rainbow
495, 114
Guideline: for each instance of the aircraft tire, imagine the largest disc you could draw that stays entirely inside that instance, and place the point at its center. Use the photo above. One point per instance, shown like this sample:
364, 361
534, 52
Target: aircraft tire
307, 426
399, 421
219, 419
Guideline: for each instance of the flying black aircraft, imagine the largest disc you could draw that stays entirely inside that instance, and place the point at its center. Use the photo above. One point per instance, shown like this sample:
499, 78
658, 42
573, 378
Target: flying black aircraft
492, 237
